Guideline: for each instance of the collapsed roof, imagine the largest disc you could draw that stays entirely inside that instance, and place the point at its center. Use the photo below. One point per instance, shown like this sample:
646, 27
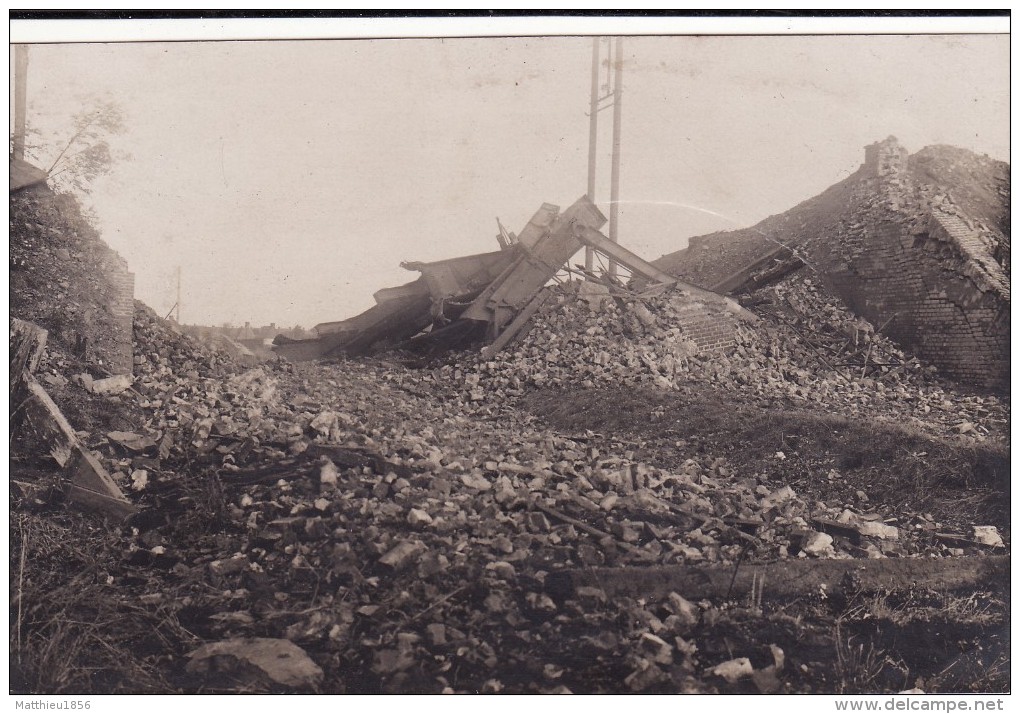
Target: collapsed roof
488, 297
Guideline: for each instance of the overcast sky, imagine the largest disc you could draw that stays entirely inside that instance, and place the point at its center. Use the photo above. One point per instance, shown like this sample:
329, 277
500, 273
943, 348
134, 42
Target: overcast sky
290, 179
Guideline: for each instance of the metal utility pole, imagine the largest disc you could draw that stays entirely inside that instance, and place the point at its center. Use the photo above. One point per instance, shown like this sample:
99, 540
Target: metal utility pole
178, 294
614, 88
614, 189
20, 94
593, 136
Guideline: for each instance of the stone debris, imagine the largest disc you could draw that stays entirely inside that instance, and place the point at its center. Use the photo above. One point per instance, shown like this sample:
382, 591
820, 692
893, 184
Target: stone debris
257, 661
403, 555
920, 243
109, 385
734, 669
427, 507
131, 441
988, 535
808, 348
878, 530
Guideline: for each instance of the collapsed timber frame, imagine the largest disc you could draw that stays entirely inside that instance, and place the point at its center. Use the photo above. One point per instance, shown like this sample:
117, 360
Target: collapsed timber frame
486, 298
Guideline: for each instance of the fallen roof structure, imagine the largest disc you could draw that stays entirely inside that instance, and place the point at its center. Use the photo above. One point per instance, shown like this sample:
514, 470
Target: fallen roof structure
488, 297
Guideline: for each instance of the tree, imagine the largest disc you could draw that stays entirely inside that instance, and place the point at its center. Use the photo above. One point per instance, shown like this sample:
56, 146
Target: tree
75, 162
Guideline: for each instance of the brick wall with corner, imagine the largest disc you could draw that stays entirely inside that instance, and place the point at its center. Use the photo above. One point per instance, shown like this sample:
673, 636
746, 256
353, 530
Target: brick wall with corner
899, 257
118, 347
885, 158
114, 347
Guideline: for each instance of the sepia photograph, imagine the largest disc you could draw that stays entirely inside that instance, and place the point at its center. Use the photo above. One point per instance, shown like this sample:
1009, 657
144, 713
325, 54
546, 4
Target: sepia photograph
505, 355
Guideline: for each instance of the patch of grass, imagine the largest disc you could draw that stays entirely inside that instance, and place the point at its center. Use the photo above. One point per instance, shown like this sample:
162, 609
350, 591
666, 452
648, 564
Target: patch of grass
858, 665
942, 641
71, 630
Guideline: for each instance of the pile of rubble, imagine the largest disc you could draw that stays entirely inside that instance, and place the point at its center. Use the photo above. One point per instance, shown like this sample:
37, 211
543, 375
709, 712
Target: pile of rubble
163, 350
350, 501
343, 497
807, 348
918, 244
201, 412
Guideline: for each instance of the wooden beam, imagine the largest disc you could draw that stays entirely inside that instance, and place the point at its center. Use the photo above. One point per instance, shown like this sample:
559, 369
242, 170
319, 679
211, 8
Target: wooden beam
518, 323
90, 485
116, 509
785, 579
624, 257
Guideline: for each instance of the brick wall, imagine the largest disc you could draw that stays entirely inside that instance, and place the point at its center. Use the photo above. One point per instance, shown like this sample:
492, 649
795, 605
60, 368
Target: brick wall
885, 158
709, 324
906, 256
114, 347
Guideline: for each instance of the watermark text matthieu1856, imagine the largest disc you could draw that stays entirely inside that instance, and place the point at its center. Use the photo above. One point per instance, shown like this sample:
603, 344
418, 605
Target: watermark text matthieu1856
40, 704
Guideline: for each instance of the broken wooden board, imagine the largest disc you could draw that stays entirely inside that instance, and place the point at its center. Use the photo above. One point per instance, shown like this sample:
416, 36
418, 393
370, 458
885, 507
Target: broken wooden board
42, 417
734, 280
93, 489
784, 579
85, 471
89, 484
116, 509
28, 342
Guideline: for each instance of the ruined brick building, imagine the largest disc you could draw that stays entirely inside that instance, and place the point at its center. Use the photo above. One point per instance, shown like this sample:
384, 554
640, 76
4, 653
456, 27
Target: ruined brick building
917, 244
915, 255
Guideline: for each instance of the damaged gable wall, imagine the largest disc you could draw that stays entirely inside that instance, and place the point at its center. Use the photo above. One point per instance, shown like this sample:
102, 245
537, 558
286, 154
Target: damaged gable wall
905, 254
917, 244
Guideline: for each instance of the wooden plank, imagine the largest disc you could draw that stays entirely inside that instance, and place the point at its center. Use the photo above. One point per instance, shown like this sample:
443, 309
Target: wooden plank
85, 471
117, 509
785, 579
734, 279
